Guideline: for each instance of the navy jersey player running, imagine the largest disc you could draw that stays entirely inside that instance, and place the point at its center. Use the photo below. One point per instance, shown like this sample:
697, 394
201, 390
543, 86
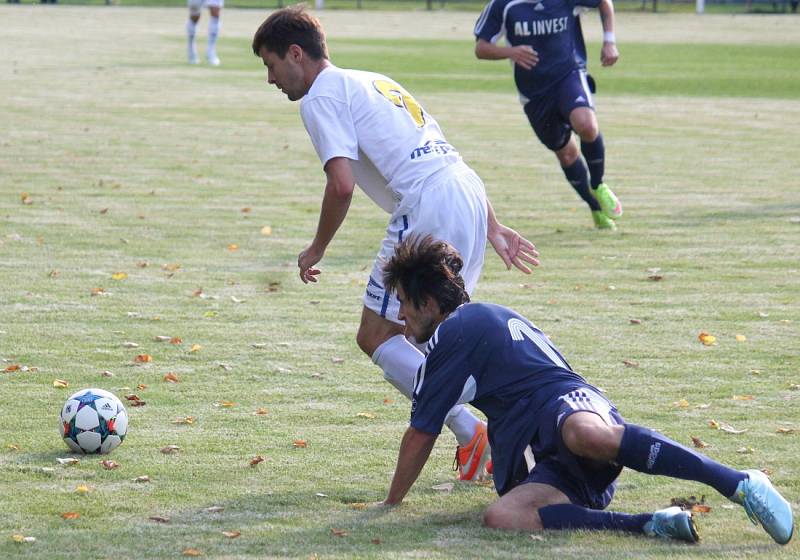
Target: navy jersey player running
545, 44
557, 443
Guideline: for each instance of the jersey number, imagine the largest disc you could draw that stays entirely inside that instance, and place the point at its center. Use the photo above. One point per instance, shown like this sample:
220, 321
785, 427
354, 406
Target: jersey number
520, 330
401, 98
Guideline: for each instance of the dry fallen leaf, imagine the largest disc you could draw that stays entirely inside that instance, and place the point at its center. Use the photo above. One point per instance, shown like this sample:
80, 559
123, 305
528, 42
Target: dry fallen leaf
358, 505
191, 552
701, 508
25, 198
158, 519
300, 443
337, 360
82, 489
119, 276
170, 267
132, 397
743, 397
683, 403
266, 231
108, 464
232, 534
12, 367
376, 541
195, 348
161, 338
635, 321
142, 478
138, 403
67, 461
745, 450
261, 412
339, 532
226, 404
631, 363
215, 509
538, 538
387, 400
184, 420
655, 277
245, 210
699, 443
60, 383
70, 515
170, 449
171, 378
98, 291
740, 338
785, 431
130, 345
713, 424
12, 447
725, 427
256, 460
233, 247
175, 340
141, 387
445, 487
707, 339
367, 415
143, 358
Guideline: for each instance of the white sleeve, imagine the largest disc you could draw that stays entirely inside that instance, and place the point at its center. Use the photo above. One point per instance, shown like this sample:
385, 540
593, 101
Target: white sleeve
330, 125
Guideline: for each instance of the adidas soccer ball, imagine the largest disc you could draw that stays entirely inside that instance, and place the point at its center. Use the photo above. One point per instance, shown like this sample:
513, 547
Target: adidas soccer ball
93, 421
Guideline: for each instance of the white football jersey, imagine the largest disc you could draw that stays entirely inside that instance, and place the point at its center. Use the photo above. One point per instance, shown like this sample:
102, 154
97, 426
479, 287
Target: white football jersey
393, 144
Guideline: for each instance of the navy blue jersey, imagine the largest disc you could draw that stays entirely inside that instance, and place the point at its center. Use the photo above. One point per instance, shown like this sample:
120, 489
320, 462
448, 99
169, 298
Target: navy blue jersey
498, 361
549, 26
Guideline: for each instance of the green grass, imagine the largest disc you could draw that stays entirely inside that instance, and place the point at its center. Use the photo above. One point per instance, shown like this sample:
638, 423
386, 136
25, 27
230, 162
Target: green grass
128, 156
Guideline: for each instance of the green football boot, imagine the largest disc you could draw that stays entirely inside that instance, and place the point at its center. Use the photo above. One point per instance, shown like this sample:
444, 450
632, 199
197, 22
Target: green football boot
608, 201
601, 221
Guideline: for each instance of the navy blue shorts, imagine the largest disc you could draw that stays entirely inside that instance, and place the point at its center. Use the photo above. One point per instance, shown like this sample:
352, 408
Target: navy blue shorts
585, 483
549, 113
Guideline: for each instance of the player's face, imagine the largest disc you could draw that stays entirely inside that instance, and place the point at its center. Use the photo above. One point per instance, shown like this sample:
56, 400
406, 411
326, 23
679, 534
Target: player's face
286, 73
421, 322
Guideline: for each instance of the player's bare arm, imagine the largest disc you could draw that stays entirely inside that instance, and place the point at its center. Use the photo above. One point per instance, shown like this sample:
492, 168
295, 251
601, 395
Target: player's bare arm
523, 55
609, 53
335, 203
414, 452
512, 248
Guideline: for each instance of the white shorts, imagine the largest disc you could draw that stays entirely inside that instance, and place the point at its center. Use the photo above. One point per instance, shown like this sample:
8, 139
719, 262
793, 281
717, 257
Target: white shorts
196, 5
451, 207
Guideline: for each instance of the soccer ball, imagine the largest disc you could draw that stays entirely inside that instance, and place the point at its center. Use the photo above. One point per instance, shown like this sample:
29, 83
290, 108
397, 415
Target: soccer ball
93, 421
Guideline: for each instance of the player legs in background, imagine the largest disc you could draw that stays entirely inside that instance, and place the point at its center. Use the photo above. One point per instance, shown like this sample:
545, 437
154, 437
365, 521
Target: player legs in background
214, 9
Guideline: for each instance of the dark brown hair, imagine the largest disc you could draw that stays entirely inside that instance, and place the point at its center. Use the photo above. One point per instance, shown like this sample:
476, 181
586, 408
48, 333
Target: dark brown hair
426, 267
291, 26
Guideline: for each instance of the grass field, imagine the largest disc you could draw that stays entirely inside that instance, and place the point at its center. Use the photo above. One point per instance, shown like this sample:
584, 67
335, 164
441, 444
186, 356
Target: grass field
116, 157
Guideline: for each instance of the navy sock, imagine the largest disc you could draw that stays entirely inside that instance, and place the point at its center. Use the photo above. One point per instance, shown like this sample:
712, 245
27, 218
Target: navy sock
570, 516
649, 452
595, 154
578, 176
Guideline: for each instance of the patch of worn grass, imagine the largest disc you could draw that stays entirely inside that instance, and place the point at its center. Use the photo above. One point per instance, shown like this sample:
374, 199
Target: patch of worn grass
129, 157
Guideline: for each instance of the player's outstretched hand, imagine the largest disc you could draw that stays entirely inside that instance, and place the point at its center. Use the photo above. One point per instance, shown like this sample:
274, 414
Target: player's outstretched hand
513, 248
306, 261
609, 54
524, 56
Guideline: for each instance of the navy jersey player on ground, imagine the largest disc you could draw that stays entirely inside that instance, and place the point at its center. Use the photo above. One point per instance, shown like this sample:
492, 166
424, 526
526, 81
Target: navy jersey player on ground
557, 443
545, 45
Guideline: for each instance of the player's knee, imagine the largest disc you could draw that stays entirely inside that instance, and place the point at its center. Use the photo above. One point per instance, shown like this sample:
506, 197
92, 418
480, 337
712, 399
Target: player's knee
589, 440
587, 129
497, 516
366, 341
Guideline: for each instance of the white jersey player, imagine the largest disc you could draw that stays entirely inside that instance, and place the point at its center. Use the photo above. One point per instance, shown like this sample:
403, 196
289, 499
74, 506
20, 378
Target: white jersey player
368, 130
214, 9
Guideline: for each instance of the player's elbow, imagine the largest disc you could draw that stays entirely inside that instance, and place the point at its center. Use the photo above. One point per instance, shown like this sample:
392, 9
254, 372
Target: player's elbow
480, 49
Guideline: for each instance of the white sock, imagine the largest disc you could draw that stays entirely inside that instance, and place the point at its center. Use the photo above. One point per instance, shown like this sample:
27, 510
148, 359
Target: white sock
400, 360
213, 30
462, 422
191, 29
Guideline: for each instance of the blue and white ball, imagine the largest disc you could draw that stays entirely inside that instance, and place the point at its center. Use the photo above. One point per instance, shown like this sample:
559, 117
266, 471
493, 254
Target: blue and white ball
93, 421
